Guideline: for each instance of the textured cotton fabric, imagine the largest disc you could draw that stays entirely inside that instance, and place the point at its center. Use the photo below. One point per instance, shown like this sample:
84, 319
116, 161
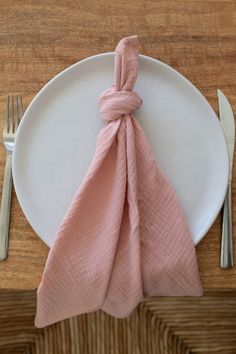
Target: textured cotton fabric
124, 236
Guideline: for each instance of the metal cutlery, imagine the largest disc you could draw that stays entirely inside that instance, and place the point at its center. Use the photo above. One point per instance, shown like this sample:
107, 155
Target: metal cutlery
14, 112
228, 125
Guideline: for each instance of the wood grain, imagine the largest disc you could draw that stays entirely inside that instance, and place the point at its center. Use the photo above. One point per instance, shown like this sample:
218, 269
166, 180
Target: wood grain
38, 39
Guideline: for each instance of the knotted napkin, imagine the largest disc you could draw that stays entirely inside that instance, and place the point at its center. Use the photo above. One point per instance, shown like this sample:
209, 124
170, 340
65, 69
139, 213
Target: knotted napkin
124, 236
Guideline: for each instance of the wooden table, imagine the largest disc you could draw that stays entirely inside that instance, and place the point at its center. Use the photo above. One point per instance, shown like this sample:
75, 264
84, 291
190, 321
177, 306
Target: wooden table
38, 39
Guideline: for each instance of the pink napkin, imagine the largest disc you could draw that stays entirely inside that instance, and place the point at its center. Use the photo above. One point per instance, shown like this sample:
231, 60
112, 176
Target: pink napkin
124, 236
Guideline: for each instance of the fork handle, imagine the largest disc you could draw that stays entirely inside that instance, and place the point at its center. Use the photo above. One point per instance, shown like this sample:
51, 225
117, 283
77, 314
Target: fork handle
226, 259
5, 208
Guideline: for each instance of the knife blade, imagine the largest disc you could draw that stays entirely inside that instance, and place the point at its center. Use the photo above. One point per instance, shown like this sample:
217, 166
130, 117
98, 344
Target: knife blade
228, 126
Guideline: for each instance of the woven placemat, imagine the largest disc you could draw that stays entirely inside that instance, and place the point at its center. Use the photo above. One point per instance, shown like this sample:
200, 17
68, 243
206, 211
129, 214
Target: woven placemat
159, 325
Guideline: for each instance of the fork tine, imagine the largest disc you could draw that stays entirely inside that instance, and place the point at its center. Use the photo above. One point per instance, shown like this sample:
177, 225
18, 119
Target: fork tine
12, 114
7, 115
19, 111
16, 116
21, 108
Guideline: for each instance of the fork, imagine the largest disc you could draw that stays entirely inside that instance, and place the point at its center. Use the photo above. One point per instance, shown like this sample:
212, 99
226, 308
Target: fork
13, 116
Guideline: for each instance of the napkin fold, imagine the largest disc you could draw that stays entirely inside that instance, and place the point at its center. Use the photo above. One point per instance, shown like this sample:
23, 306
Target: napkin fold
124, 236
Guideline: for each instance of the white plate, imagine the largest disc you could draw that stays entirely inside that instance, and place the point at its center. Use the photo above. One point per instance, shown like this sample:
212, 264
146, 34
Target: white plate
57, 138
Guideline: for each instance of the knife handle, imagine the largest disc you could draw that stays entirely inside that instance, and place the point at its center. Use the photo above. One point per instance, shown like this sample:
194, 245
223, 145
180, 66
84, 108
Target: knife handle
226, 258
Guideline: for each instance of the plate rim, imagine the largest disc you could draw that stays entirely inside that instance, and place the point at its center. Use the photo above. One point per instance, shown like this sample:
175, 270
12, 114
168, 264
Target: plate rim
220, 201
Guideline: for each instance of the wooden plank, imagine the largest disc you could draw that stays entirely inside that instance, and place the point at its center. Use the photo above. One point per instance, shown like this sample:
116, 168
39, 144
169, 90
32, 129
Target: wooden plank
38, 39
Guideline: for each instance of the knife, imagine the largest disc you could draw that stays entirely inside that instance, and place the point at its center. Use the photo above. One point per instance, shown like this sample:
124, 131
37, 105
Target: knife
228, 125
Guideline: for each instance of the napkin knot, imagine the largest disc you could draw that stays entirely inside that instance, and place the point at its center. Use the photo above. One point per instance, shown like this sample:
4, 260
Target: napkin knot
115, 104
